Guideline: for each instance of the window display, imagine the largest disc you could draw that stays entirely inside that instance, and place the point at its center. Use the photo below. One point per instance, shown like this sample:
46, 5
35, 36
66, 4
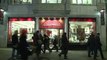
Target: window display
80, 29
20, 24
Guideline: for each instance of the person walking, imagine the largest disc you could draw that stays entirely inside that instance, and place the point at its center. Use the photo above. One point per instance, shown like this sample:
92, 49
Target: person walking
46, 43
55, 42
15, 44
64, 46
97, 47
37, 39
23, 45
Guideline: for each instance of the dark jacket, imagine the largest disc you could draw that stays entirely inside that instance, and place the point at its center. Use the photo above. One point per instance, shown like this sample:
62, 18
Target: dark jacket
64, 42
15, 39
91, 41
23, 45
97, 42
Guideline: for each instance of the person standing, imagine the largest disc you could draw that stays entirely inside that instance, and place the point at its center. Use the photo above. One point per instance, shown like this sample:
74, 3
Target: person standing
15, 44
97, 46
64, 46
90, 44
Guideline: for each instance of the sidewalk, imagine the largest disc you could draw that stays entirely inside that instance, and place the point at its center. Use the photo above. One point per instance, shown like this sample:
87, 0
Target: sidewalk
5, 54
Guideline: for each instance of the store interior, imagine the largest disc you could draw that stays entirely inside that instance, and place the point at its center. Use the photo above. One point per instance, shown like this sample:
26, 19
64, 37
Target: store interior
79, 31
19, 25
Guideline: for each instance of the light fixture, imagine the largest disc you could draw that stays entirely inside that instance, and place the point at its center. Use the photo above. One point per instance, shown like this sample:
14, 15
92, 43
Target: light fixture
2, 10
102, 10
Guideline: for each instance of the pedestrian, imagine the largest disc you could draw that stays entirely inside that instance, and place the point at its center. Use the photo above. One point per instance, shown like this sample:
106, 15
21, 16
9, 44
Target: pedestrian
37, 39
90, 44
23, 45
55, 42
15, 44
46, 43
97, 46
64, 46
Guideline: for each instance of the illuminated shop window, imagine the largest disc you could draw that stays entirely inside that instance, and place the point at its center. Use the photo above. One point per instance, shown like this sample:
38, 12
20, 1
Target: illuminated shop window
80, 29
20, 23
51, 1
81, 1
21, 1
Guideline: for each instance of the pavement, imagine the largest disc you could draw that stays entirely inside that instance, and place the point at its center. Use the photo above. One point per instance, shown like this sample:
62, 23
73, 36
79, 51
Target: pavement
5, 54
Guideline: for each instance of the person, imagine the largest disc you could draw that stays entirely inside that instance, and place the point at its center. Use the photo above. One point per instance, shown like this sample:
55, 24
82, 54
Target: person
97, 46
55, 42
37, 39
15, 44
90, 44
64, 46
46, 43
23, 45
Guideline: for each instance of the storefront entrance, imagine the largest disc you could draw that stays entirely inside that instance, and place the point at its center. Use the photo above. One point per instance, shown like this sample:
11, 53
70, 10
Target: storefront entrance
52, 27
19, 23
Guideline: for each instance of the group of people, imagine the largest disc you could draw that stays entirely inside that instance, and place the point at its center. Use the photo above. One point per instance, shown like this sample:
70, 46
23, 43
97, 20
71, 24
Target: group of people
94, 45
20, 45
40, 40
40, 43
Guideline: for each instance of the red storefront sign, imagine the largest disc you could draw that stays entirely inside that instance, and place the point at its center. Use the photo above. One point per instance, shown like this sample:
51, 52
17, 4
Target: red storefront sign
52, 24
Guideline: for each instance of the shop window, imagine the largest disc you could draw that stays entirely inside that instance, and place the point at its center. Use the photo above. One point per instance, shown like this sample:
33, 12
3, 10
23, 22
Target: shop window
21, 1
51, 1
81, 1
20, 23
80, 29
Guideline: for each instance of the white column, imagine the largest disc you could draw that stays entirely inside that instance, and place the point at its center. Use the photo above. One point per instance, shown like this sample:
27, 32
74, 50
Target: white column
66, 25
37, 23
3, 32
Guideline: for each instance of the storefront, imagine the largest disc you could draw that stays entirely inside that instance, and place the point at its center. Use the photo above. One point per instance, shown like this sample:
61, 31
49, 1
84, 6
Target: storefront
80, 29
19, 23
52, 27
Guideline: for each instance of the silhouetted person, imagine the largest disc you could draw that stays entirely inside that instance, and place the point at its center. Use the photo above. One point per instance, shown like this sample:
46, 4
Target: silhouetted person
90, 44
97, 46
55, 42
46, 43
64, 46
23, 45
37, 38
15, 44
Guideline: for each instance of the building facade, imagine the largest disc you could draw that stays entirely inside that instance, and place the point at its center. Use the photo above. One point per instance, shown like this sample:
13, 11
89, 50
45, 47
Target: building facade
78, 18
